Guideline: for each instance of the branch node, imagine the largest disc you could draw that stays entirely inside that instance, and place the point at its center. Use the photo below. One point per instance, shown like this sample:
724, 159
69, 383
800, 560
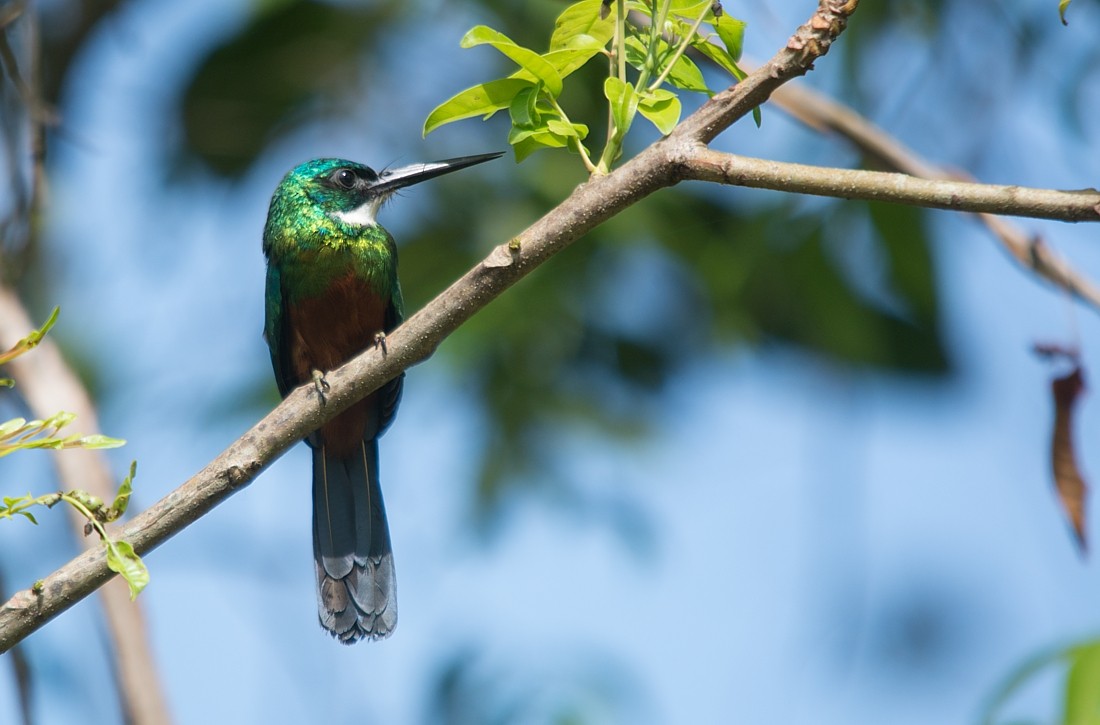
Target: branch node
235, 476
503, 255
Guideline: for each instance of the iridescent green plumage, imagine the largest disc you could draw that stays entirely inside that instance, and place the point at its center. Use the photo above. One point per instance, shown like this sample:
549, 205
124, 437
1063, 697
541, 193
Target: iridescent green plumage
303, 232
331, 290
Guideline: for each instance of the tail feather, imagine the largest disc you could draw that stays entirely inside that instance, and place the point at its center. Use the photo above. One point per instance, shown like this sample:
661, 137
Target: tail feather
357, 585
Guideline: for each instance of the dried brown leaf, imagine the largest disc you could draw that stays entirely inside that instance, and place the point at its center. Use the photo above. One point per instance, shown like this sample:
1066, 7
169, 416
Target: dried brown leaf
1068, 481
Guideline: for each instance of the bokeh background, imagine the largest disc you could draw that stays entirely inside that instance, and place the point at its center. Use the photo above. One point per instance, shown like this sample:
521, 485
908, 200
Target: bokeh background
734, 457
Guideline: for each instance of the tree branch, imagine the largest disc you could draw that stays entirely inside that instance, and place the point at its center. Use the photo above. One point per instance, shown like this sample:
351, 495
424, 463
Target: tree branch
704, 164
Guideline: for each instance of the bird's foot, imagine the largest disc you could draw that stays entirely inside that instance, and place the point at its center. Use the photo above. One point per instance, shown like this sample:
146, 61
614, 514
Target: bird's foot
380, 341
321, 385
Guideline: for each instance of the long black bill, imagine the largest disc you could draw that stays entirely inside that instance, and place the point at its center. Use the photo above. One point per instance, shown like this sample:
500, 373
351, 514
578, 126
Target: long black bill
393, 179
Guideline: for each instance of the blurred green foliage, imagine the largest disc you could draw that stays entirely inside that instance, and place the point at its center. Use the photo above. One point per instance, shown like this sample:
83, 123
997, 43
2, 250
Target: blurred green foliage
291, 63
1080, 662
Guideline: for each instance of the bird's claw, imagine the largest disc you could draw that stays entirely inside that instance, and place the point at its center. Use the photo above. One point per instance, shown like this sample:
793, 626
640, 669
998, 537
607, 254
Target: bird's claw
321, 385
380, 341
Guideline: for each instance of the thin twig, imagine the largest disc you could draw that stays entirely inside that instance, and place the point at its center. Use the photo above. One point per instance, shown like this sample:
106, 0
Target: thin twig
704, 164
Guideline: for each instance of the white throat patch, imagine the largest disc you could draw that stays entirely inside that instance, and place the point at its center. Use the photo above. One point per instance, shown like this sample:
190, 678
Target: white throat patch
361, 216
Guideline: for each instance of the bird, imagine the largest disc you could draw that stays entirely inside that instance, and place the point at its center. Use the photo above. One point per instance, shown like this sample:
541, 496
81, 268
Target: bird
332, 291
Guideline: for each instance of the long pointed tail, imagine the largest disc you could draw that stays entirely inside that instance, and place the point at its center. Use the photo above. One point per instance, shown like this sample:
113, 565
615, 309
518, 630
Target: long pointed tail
357, 585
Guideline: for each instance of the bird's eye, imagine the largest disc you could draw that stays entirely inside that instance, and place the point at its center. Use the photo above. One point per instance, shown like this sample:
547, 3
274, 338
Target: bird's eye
344, 178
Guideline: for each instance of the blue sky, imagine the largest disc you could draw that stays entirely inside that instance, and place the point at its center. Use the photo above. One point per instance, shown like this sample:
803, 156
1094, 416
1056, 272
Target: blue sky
823, 545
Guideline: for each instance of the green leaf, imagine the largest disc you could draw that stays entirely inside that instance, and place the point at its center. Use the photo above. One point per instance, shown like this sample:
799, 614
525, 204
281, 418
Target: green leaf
732, 33
527, 59
31, 340
662, 108
689, 8
685, 74
567, 60
524, 109
60, 419
536, 140
97, 441
516, 135
636, 53
46, 443
1083, 686
1082, 693
17, 506
623, 102
11, 427
488, 98
123, 560
47, 325
481, 100
582, 18
122, 498
719, 56
567, 130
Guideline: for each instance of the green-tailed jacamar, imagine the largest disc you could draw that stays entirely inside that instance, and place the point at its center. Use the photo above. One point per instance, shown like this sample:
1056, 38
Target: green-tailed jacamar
332, 291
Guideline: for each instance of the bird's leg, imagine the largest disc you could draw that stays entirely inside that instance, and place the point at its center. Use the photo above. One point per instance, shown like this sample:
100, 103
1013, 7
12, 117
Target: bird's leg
380, 341
321, 385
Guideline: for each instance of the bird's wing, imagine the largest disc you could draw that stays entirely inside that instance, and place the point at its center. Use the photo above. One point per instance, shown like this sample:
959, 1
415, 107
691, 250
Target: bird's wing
275, 330
389, 395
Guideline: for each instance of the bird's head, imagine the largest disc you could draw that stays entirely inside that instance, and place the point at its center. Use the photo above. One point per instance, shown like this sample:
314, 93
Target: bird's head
352, 193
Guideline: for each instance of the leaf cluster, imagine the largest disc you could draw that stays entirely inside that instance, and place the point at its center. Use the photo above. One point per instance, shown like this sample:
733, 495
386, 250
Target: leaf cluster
20, 434
654, 50
121, 557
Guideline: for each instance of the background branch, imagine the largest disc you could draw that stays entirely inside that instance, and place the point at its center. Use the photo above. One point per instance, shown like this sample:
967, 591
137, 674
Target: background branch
827, 115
